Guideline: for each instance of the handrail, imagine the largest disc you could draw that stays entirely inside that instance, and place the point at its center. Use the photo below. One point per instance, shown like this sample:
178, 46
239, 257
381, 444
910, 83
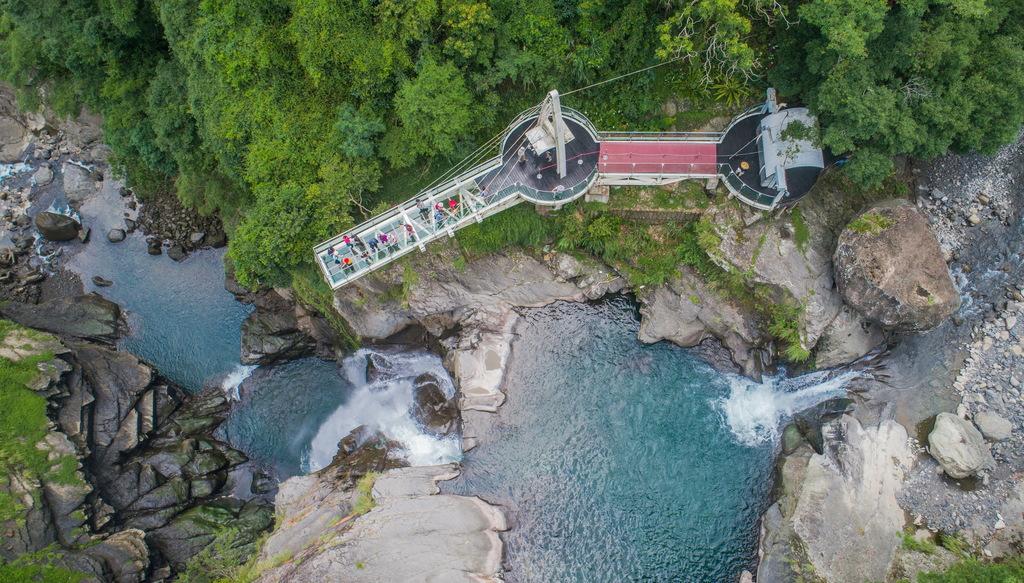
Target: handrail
741, 189
662, 136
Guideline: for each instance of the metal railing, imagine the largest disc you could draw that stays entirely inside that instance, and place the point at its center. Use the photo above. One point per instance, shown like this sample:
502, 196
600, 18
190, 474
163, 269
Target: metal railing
741, 189
549, 197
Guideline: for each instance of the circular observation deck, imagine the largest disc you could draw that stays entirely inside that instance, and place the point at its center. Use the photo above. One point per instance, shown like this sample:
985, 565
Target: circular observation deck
537, 176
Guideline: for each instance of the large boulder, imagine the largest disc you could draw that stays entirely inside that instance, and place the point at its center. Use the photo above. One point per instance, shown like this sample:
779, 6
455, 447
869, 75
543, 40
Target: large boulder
435, 412
90, 316
77, 182
837, 513
958, 446
890, 269
992, 426
57, 227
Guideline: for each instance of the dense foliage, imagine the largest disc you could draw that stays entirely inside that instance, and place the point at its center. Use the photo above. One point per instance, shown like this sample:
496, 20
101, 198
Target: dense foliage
283, 115
293, 119
917, 77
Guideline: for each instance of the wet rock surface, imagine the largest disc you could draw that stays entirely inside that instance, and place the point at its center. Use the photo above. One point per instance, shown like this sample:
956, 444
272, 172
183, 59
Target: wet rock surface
281, 328
57, 227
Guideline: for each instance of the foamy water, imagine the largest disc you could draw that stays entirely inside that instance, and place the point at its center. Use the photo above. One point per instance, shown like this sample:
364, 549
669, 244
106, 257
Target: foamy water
12, 169
385, 405
755, 412
232, 382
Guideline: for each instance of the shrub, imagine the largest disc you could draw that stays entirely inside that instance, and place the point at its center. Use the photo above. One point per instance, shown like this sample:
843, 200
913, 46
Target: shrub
871, 223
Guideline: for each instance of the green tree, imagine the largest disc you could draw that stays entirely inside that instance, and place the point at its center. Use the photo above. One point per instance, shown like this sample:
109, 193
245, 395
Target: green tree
921, 77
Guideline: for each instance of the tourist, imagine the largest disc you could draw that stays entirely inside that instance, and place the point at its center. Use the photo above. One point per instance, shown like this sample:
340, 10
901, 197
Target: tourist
373, 244
558, 191
359, 243
383, 238
522, 155
452, 205
331, 252
409, 232
346, 264
366, 257
392, 242
348, 241
547, 156
422, 207
438, 219
485, 194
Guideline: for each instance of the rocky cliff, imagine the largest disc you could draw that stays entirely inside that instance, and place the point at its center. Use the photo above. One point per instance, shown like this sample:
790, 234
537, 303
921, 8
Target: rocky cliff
152, 481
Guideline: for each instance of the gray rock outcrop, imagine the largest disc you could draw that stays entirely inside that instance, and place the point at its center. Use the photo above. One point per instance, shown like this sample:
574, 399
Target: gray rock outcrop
890, 269
57, 227
958, 446
89, 316
798, 275
444, 295
157, 476
413, 535
848, 337
686, 311
838, 511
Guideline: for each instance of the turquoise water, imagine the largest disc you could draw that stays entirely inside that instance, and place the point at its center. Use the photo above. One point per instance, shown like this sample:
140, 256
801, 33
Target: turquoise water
179, 315
614, 458
280, 409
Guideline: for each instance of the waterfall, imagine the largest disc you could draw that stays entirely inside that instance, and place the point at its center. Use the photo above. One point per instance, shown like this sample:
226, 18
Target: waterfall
232, 381
384, 403
755, 412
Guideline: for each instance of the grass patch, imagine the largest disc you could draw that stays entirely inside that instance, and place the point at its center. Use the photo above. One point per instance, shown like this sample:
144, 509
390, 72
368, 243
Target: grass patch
801, 233
912, 544
39, 566
364, 503
519, 225
23, 423
871, 223
681, 196
974, 571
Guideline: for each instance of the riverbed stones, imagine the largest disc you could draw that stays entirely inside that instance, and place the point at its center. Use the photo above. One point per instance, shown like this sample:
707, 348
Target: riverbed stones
100, 282
116, 235
889, 268
57, 227
992, 426
42, 176
177, 253
154, 246
958, 446
217, 240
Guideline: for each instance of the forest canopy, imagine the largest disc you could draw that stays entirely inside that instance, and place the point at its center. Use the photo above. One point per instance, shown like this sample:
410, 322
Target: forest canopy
292, 118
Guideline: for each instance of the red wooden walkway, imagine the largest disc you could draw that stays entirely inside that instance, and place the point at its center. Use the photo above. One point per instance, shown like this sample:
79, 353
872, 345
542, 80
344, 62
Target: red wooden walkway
655, 157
